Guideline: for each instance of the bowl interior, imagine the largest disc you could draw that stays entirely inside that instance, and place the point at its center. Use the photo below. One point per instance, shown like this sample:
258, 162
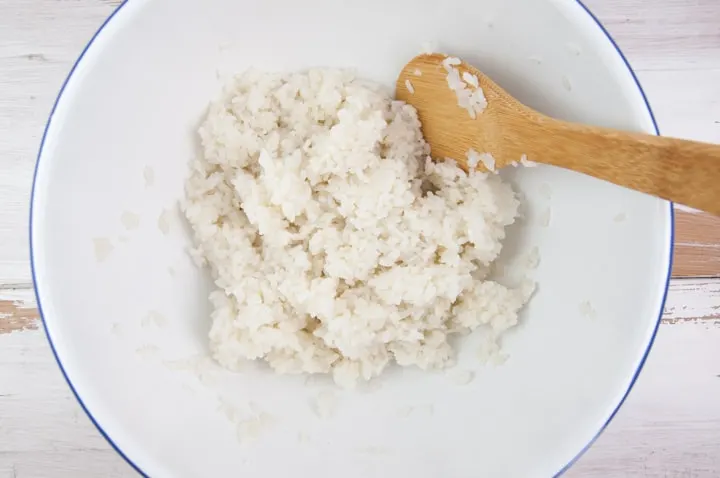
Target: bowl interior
130, 330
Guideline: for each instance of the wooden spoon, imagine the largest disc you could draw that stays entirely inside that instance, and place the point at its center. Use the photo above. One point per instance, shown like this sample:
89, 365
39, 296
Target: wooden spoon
686, 172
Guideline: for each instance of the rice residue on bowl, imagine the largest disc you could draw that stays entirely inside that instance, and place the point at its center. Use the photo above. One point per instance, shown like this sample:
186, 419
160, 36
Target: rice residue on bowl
335, 243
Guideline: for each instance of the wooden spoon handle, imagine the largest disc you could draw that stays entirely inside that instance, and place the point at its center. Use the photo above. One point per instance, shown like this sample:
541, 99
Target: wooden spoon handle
686, 172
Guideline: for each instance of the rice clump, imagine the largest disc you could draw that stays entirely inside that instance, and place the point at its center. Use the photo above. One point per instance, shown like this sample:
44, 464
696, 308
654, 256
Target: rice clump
466, 87
335, 243
486, 159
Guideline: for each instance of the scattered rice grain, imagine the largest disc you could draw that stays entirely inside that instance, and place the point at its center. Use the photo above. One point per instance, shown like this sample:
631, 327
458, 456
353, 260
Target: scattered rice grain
461, 377
474, 159
201, 367
489, 352
149, 176
250, 429
130, 220
488, 161
324, 404
409, 87
163, 222
532, 260
451, 61
526, 162
545, 191
587, 309
103, 248
471, 79
545, 217
405, 411
147, 351
154, 318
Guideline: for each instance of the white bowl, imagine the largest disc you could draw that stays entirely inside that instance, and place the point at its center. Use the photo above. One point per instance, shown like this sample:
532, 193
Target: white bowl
134, 100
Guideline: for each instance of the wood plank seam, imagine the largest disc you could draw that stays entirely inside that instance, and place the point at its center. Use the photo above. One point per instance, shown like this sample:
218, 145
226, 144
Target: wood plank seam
697, 245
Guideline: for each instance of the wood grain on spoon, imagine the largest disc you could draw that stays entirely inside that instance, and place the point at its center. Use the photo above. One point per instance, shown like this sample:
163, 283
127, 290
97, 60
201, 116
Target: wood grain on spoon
685, 172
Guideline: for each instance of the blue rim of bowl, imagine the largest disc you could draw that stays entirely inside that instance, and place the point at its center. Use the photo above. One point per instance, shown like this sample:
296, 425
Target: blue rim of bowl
136, 467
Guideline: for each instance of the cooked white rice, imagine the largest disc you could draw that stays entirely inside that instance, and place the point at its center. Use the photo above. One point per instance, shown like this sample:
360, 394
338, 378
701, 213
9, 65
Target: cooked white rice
466, 87
409, 87
471, 79
526, 162
335, 243
474, 159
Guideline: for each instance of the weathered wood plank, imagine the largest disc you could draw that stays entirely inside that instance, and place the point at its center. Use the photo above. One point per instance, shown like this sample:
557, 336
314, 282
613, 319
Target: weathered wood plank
669, 426
15, 316
664, 35
693, 300
697, 245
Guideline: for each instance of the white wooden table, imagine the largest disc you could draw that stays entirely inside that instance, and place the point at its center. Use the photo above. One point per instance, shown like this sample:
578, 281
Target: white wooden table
670, 425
